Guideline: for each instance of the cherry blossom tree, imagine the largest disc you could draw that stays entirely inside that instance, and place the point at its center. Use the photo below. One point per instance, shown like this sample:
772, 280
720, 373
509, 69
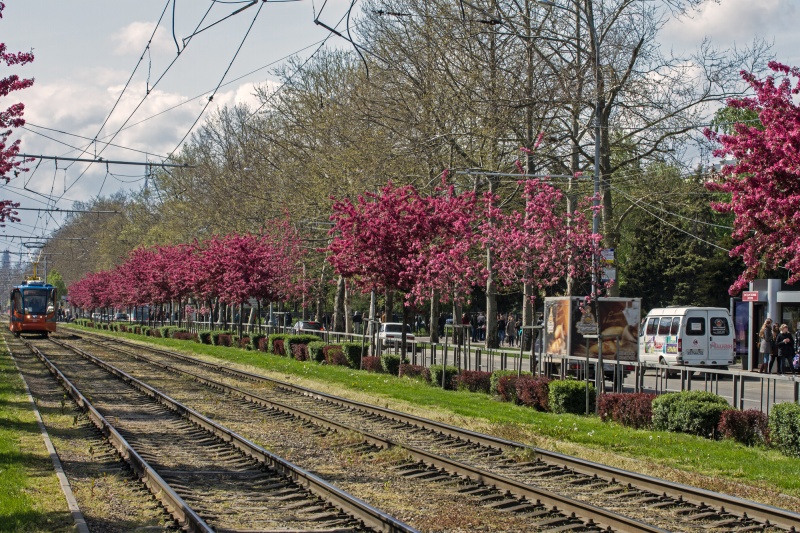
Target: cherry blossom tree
542, 245
764, 180
399, 240
10, 119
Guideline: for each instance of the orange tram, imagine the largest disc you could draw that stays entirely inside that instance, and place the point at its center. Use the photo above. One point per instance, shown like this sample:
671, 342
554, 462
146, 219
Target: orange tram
33, 308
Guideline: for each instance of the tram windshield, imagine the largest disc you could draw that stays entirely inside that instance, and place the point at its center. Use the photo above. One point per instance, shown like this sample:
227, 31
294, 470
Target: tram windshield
36, 302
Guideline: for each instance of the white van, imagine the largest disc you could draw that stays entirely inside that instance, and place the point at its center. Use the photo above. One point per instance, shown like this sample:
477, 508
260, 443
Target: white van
687, 336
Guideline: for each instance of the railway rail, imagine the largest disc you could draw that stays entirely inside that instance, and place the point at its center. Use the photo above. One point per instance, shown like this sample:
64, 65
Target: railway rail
208, 477
485, 459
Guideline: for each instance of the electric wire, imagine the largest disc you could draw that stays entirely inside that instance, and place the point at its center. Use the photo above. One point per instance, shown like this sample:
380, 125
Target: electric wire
222, 79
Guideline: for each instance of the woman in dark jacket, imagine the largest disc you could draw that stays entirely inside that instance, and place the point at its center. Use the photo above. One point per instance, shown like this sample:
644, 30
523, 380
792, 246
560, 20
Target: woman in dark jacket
785, 343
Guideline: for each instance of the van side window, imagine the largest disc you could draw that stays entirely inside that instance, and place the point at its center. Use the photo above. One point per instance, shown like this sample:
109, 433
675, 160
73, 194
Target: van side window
652, 326
664, 326
719, 325
676, 324
696, 326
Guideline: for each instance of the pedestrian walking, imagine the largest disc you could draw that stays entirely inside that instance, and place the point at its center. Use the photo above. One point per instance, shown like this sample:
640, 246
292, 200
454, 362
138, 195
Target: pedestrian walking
765, 344
501, 329
511, 331
785, 343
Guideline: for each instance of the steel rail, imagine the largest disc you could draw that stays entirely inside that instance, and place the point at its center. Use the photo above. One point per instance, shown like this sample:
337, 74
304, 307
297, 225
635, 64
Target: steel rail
371, 517
175, 505
774, 516
595, 515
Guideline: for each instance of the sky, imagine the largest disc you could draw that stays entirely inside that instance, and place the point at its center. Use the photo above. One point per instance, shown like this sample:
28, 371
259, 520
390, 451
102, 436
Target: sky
86, 51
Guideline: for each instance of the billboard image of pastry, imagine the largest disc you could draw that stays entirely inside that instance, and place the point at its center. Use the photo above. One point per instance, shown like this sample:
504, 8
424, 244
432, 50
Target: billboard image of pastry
557, 325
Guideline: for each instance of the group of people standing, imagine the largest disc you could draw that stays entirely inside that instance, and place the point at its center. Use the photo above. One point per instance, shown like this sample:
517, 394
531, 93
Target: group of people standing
777, 344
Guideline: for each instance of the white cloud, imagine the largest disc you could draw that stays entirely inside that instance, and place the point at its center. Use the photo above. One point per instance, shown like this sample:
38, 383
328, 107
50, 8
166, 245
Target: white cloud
133, 38
737, 21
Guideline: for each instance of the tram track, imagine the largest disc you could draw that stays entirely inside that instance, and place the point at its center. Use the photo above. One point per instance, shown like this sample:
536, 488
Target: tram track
208, 478
434, 447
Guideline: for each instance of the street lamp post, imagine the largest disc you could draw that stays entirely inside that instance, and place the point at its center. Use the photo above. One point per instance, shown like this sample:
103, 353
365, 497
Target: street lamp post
598, 112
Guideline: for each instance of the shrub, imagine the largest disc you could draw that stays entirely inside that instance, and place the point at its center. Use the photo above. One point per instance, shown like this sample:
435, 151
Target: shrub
184, 335
507, 387
243, 343
263, 344
473, 381
372, 364
449, 373
316, 351
255, 341
784, 428
353, 353
215, 337
145, 330
334, 355
497, 374
225, 339
694, 412
750, 427
278, 347
629, 409
391, 363
276, 343
292, 340
415, 372
299, 351
569, 396
204, 337
533, 391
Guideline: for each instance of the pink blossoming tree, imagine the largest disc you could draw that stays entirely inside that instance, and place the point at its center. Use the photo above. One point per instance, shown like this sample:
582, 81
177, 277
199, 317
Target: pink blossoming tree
400, 241
764, 180
10, 119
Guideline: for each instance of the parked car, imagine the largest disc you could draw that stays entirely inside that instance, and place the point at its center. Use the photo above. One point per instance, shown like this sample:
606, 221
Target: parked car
390, 334
307, 325
96, 317
121, 317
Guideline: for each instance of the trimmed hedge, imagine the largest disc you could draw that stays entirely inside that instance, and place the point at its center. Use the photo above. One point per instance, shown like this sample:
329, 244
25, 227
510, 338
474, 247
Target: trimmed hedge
415, 372
334, 355
372, 364
276, 343
255, 341
534, 391
316, 351
473, 381
784, 428
569, 396
215, 337
497, 374
353, 353
630, 409
391, 363
204, 337
299, 351
693, 412
507, 387
750, 427
450, 372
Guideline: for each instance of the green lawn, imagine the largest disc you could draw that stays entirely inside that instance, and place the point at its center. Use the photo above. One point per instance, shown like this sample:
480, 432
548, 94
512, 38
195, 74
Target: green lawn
30, 496
756, 473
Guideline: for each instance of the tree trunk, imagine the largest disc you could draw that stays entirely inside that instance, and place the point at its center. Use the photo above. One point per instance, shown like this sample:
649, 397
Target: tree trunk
338, 306
433, 326
348, 313
388, 304
527, 317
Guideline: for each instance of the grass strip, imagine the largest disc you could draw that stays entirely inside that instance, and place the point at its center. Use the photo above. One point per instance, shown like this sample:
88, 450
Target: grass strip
763, 471
30, 499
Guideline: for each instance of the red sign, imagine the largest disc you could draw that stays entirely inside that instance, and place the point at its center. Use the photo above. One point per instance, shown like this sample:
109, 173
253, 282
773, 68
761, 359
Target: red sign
750, 296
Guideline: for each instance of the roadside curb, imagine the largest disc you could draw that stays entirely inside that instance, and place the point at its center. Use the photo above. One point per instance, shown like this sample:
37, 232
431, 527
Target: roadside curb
72, 503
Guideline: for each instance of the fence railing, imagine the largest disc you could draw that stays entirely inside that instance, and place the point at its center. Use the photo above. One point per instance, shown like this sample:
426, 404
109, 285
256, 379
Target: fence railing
742, 389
